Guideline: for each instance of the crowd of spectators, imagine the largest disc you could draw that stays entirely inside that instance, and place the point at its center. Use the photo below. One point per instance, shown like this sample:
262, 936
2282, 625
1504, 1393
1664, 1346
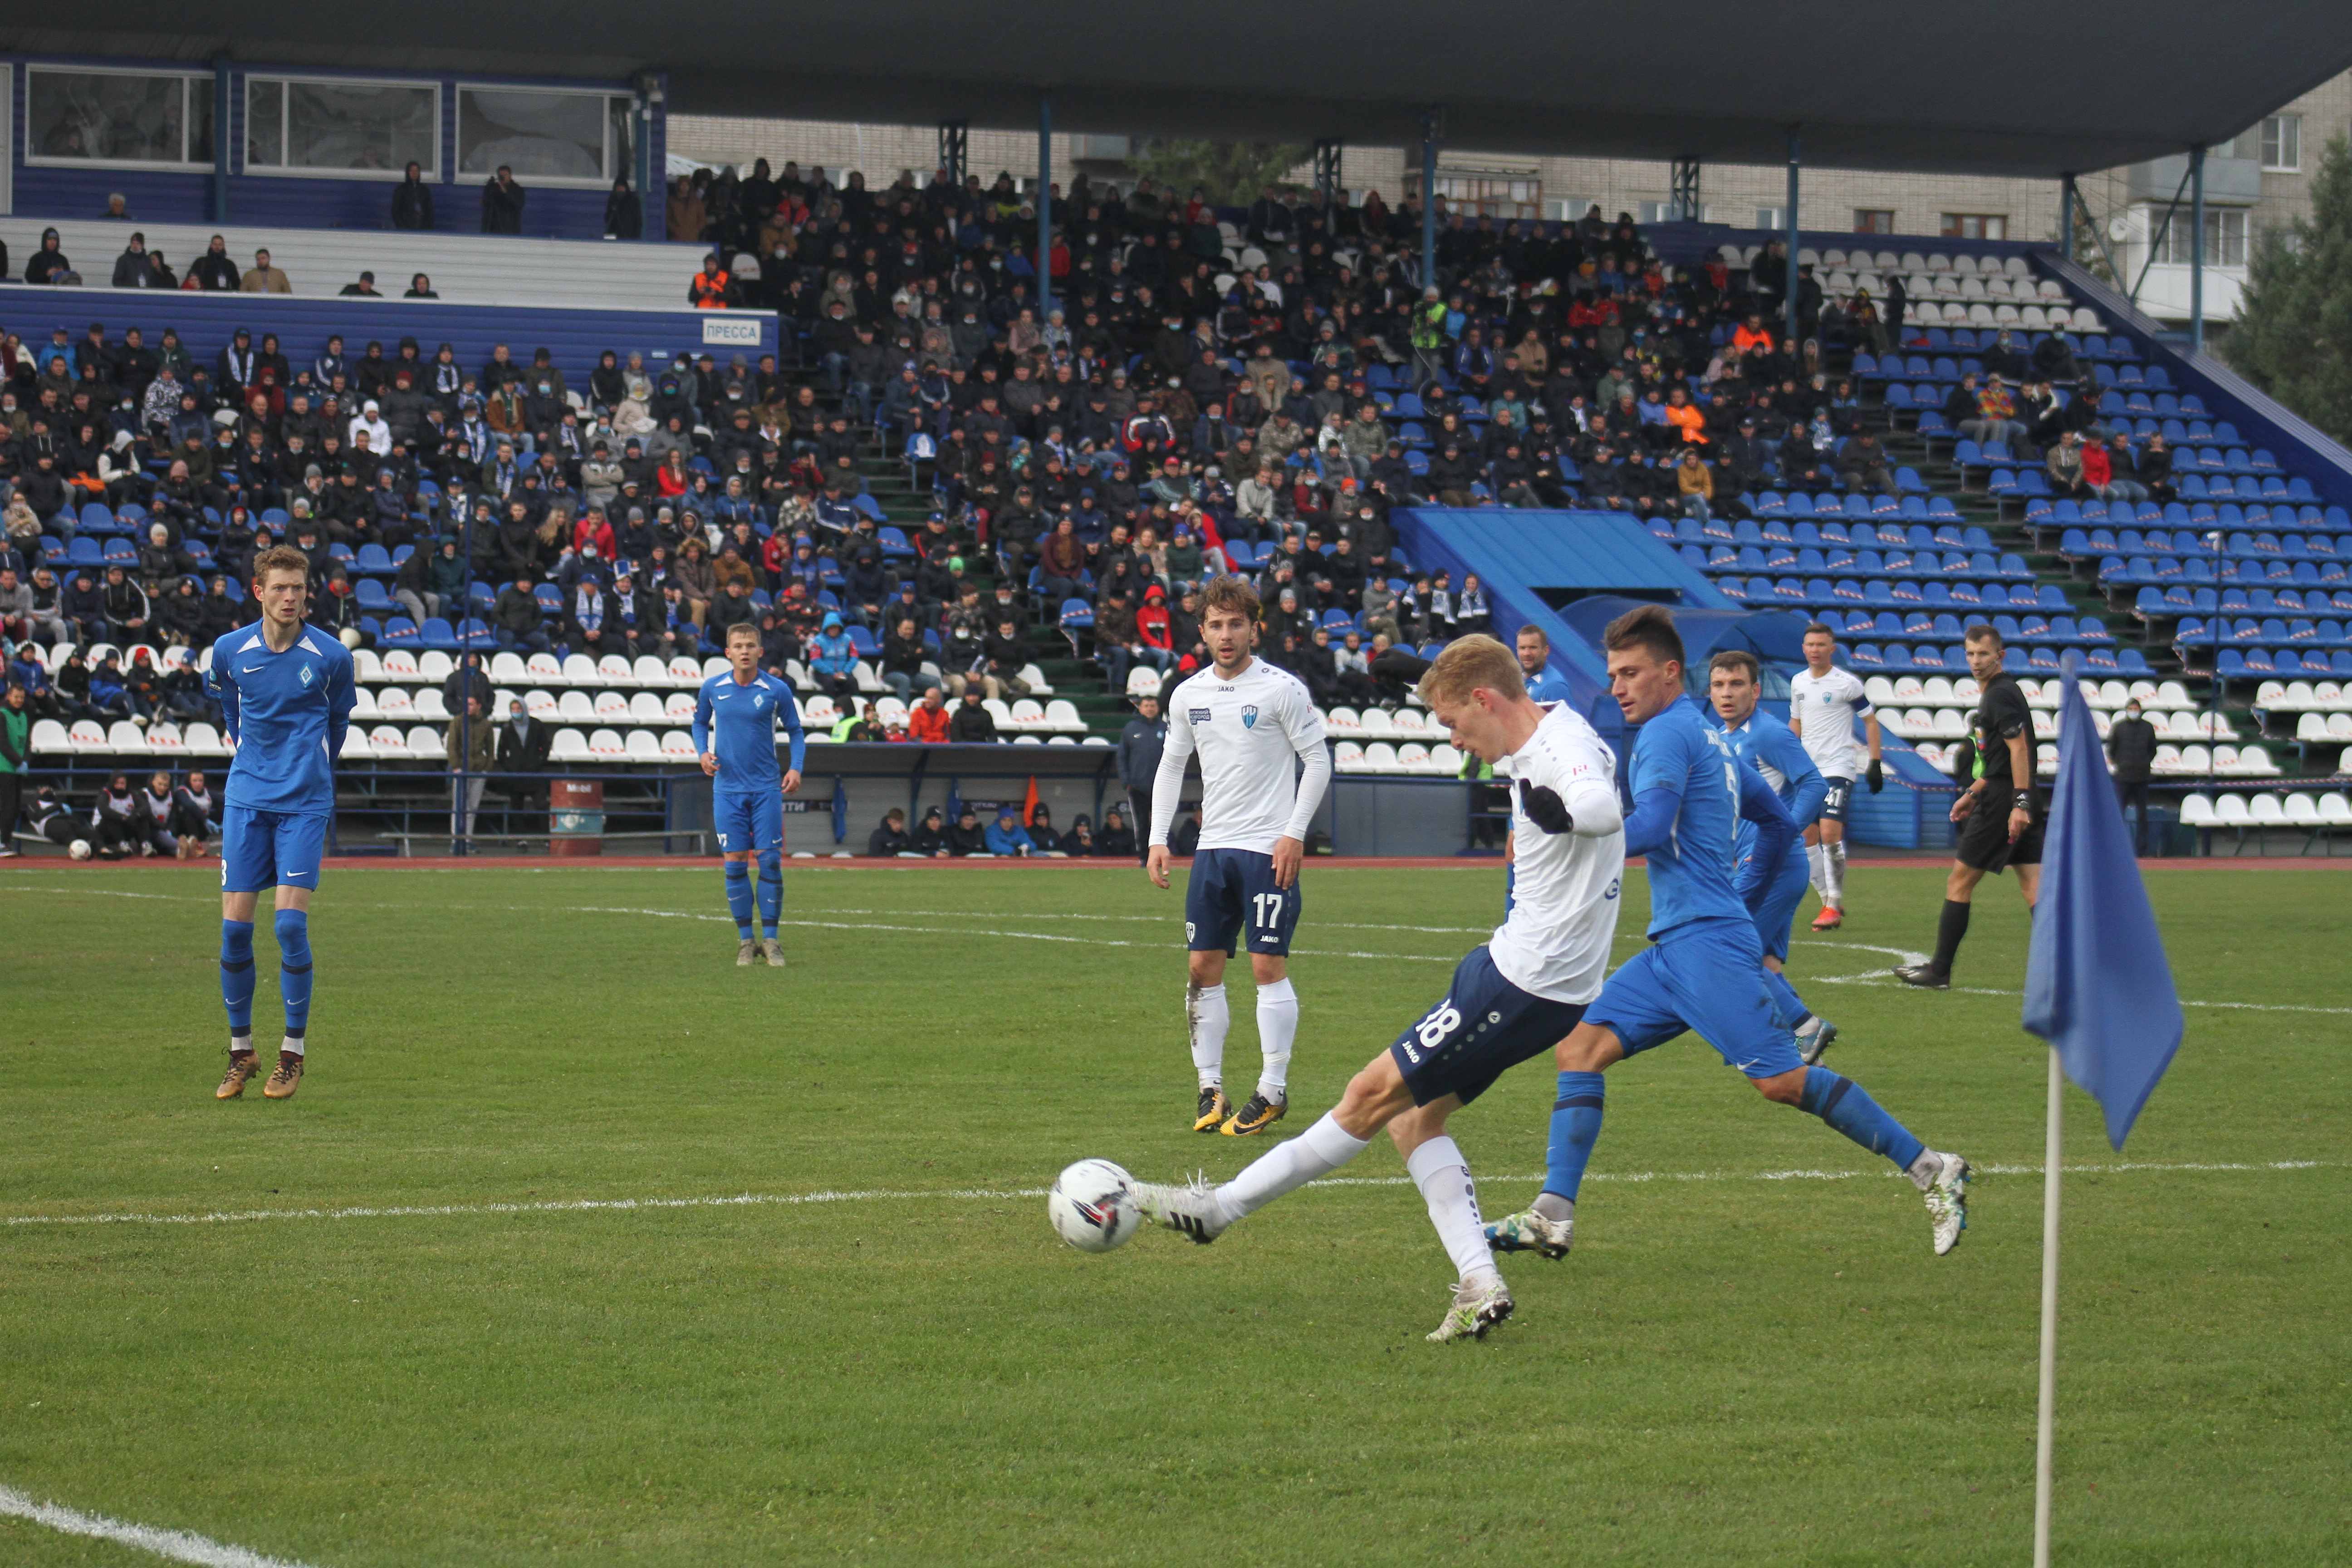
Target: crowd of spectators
1004, 832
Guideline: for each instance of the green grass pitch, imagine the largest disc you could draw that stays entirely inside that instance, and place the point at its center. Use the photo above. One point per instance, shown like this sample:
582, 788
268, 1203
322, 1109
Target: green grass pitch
1729, 1370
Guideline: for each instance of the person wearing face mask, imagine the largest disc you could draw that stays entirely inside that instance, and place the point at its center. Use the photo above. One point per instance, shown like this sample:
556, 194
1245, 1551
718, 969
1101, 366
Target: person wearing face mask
2131, 750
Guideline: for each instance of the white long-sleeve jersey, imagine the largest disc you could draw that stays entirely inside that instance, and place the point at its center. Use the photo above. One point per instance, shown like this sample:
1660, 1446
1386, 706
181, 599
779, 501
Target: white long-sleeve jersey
1555, 942
1253, 733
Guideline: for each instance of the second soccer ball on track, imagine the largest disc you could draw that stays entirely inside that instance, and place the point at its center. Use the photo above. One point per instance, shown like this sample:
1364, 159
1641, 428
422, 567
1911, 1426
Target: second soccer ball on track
1092, 1206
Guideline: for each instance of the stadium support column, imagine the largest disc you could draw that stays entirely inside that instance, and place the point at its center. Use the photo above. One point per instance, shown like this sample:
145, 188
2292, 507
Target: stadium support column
1328, 155
955, 141
1681, 190
1045, 258
2197, 250
1788, 306
220, 141
2066, 200
1430, 131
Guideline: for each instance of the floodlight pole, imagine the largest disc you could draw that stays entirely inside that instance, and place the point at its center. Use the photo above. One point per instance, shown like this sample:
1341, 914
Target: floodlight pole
1682, 195
1044, 259
1789, 310
2197, 250
2066, 200
1328, 152
1429, 124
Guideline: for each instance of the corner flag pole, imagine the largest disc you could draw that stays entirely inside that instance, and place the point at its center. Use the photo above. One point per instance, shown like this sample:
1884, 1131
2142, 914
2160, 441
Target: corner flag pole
2049, 1168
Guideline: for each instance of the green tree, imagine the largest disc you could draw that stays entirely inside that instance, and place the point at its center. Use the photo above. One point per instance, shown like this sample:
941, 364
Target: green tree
2293, 336
1231, 173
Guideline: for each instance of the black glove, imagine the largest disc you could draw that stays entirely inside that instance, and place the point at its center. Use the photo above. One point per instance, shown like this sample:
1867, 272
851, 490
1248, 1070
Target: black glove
1400, 664
1877, 776
1545, 808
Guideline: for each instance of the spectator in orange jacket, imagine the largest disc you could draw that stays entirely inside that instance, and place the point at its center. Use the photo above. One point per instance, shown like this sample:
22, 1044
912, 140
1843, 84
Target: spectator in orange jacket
1751, 332
927, 721
1686, 416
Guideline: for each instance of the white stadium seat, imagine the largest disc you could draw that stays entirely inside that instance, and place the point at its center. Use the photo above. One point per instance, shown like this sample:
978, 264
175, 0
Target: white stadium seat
575, 708
1062, 716
507, 670
539, 704
578, 669
366, 669
395, 703
434, 665
612, 708
388, 740
606, 746
684, 671
544, 668
125, 739
646, 708
614, 670
2197, 811
200, 740
424, 744
680, 709
569, 746
643, 746
355, 746
400, 665
363, 707
678, 746
1348, 757
50, 739
652, 672
430, 708
164, 736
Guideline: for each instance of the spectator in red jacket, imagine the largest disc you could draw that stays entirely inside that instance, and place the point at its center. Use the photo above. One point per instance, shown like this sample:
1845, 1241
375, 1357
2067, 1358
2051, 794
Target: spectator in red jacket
927, 721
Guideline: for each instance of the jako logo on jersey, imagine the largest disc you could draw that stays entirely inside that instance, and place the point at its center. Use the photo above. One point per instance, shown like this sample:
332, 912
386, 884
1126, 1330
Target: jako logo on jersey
1249, 717
1200, 715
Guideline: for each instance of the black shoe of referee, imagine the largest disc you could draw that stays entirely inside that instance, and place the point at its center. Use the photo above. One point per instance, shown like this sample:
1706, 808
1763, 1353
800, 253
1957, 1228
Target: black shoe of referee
1925, 976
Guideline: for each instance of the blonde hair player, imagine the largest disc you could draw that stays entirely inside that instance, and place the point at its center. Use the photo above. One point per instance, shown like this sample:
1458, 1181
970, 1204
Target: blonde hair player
286, 691
1513, 998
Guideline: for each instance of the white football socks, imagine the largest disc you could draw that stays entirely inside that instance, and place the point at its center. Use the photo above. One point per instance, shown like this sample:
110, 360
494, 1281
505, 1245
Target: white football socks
1438, 1169
1290, 1165
1817, 866
1837, 872
1207, 1020
1277, 1027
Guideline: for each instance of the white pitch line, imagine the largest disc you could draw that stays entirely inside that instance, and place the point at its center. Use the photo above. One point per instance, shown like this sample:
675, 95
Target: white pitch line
1875, 978
177, 1545
878, 1195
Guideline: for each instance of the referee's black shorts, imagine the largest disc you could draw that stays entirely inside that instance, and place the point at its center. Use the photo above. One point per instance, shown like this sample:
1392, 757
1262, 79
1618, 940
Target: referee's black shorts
1985, 843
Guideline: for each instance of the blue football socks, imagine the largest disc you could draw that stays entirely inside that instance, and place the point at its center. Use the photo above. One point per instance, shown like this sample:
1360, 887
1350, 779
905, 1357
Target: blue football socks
772, 891
1847, 1106
739, 897
1575, 1128
294, 969
237, 976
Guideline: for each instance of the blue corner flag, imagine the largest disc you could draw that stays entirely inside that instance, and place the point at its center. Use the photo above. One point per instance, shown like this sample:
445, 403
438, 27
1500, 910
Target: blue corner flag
2097, 984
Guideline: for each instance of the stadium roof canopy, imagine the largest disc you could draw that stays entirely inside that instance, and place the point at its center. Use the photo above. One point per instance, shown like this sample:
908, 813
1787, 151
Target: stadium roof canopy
1995, 87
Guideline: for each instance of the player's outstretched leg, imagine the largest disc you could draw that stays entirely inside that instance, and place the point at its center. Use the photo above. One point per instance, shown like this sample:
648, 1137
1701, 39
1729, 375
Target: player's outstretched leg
1207, 1019
739, 904
236, 996
1277, 1030
1845, 1105
772, 905
293, 927
1204, 1212
1548, 1226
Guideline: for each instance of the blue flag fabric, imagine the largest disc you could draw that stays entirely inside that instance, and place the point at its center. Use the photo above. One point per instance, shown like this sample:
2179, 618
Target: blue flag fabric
2097, 984
840, 811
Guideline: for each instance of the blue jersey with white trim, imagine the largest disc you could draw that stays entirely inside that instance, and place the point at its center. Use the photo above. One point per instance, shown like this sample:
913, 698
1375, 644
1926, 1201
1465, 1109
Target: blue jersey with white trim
1691, 868
287, 713
1772, 749
737, 722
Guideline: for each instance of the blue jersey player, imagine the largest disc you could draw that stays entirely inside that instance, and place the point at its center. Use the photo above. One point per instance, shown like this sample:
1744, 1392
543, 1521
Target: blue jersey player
286, 691
1733, 684
1704, 969
1512, 998
735, 717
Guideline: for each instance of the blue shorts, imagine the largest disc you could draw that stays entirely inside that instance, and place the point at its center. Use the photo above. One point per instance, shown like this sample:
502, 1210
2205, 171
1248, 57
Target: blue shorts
1229, 890
1781, 901
1833, 804
747, 819
271, 848
1706, 977
1484, 1028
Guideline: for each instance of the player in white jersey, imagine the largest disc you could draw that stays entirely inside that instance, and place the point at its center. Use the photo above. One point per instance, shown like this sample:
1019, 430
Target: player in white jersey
1516, 997
1264, 767
1822, 702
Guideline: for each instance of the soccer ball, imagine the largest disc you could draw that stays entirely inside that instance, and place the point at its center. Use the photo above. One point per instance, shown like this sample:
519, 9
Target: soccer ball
1093, 1207
78, 848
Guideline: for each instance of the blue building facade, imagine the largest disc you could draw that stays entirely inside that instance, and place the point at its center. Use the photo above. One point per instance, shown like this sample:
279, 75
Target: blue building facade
239, 142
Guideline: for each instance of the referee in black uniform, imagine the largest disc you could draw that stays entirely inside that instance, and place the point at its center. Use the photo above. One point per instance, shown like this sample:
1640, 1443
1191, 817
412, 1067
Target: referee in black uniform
2000, 824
